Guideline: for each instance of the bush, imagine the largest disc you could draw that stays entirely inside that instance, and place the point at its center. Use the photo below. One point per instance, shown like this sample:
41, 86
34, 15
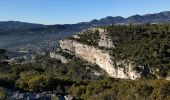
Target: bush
35, 82
78, 91
3, 94
7, 80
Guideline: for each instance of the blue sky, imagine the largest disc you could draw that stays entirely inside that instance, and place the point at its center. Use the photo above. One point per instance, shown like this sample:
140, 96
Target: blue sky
73, 11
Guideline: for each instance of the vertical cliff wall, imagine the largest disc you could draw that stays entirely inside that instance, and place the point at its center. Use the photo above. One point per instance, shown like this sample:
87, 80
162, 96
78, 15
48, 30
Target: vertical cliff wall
101, 58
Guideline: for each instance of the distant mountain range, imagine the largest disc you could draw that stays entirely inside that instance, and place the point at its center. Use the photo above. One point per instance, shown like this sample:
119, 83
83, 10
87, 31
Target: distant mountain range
162, 17
16, 26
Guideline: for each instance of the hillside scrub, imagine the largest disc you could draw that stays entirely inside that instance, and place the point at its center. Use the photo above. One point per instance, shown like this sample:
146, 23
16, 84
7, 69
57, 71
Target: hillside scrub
145, 45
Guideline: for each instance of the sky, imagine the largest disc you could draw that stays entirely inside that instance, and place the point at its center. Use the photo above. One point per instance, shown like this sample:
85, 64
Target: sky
74, 11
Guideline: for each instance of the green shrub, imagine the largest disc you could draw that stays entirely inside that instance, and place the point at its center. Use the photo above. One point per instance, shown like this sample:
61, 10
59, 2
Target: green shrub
35, 82
3, 94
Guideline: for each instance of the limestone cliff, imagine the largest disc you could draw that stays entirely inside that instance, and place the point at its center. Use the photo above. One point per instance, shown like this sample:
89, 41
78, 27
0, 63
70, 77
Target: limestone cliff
101, 58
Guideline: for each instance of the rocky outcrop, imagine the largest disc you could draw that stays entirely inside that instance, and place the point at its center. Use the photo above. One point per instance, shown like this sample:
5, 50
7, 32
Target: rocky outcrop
101, 58
59, 57
168, 78
105, 40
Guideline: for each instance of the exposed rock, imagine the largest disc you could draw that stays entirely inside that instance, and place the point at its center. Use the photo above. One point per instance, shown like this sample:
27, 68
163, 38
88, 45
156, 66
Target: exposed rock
68, 97
97, 73
76, 36
18, 95
105, 41
101, 58
168, 78
59, 57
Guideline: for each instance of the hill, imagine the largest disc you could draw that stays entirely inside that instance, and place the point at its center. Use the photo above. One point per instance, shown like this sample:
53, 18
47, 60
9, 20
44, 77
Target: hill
162, 17
125, 51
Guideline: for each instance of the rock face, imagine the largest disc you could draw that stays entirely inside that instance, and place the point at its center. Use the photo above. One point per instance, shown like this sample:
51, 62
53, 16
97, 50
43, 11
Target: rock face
59, 57
105, 41
101, 58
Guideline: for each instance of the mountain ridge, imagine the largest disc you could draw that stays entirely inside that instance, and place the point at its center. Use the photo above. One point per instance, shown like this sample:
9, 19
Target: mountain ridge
16, 33
162, 17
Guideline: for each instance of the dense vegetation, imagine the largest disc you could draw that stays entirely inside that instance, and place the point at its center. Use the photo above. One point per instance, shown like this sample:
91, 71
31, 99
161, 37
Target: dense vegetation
46, 74
111, 89
76, 78
146, 45
89, 37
